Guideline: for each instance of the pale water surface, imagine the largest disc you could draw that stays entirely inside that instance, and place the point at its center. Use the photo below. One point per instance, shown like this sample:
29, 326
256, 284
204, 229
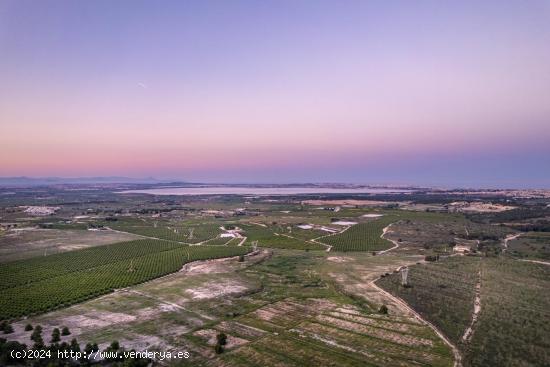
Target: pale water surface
259, 191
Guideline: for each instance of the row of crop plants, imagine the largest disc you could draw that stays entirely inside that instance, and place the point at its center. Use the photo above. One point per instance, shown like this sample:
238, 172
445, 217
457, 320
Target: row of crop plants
45, 293
361, 237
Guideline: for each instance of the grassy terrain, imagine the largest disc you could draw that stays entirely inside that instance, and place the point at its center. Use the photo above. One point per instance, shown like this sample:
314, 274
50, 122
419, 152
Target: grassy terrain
514, 324
299, 319
443, 292
267, 237
533, 245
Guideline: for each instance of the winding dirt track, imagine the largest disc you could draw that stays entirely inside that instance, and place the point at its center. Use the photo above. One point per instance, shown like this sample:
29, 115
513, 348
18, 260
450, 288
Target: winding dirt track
395, 243
536, 261
477, 309
405, 307
508, 239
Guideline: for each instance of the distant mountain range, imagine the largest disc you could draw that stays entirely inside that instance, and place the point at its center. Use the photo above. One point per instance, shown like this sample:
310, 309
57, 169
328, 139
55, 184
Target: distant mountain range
39, 181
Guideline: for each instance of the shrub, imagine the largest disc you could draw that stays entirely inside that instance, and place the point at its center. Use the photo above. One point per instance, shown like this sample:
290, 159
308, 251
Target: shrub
383, 310
221, 338
55, 335
75, 347
28, 327
36, 335
115, 345
65, 331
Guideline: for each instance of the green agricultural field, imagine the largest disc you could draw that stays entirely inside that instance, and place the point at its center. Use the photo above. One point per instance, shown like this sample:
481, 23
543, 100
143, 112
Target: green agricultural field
43, 284
180, 232
24, 272
361, 237
223, 241
267, 237
306, 234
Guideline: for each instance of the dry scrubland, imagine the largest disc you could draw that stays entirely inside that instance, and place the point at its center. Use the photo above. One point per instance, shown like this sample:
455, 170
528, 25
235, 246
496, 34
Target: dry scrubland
514, 322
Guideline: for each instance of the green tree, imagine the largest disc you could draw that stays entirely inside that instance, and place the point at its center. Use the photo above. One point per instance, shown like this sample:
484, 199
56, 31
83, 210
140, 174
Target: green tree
221, 338
37, 334
56, 336
74, 346
383, 310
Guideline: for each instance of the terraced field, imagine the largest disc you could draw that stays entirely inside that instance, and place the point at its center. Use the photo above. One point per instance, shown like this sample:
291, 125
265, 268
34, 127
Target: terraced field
300, 320
314, 332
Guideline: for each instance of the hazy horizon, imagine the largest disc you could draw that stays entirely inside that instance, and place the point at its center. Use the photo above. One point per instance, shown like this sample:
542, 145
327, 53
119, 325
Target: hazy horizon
159, 180
417, 93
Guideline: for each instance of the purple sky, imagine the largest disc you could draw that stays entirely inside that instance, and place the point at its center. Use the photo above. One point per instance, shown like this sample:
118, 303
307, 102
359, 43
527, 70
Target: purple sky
411, 92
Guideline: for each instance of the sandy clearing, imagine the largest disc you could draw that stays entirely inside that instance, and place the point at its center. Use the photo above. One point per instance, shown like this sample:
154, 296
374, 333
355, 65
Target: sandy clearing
327, 341
340, 259
347, 202
213, 289
475, 207
344, 223
223, 265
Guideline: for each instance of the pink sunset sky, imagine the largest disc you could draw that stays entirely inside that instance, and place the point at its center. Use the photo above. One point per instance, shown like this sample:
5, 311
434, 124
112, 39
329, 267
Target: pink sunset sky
454, 93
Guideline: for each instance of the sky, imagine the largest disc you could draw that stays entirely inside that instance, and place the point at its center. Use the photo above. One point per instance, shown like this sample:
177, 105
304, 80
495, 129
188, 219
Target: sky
446, 93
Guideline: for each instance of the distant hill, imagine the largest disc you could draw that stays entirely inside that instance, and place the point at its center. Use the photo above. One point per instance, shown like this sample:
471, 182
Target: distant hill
40, 181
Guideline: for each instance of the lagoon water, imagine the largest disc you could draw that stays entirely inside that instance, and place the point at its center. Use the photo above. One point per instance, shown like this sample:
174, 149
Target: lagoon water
260, 191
